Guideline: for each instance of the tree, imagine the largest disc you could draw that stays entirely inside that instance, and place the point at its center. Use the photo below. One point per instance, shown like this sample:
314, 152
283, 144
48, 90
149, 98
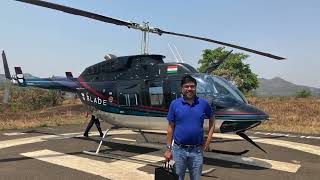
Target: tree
303, 93
232, 68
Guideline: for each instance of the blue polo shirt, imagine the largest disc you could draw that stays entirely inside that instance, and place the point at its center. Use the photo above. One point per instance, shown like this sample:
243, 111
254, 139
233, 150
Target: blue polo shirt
188, 120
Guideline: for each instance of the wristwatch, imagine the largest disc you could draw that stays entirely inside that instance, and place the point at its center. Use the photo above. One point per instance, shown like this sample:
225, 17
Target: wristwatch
168, 146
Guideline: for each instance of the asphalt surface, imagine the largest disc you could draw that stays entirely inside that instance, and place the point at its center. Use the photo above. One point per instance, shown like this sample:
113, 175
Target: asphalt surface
57, 153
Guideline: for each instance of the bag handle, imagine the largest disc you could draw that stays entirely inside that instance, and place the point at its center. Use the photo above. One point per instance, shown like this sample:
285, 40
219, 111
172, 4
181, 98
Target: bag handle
169, 165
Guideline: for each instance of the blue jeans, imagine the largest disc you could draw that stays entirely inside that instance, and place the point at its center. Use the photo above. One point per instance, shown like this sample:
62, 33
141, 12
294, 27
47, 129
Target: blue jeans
191, 158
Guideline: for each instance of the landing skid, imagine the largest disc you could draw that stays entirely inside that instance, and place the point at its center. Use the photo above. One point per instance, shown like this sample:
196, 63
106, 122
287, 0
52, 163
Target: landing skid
132, 159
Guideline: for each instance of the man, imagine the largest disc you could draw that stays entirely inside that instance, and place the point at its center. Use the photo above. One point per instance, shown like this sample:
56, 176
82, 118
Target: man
95, 121
186, 117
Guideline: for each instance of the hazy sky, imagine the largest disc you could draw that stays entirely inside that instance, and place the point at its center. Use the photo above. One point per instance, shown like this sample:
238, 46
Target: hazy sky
46, 42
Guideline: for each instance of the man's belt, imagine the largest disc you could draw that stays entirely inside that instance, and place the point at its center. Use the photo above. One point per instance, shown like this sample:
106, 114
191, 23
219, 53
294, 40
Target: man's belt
187, 145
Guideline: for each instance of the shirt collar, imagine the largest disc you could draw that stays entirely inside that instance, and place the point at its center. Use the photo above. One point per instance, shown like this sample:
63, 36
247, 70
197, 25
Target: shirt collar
195, 100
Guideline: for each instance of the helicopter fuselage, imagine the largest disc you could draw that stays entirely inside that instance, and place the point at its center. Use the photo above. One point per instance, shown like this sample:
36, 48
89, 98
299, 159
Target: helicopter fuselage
136, 91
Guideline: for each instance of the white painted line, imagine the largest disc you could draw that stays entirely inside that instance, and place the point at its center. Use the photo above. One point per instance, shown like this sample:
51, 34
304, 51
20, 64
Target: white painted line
122, 132
244, 160
36, 139
114, 170
125, 139
312, 149
292, 145
13, 134
287, 144
113, 132
258, 162
287, 135
21, 141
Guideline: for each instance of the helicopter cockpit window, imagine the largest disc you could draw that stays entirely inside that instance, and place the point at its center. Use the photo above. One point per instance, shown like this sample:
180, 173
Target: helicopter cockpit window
156, 96
205, 87
212, 87
128, 99
226, 90
232, 86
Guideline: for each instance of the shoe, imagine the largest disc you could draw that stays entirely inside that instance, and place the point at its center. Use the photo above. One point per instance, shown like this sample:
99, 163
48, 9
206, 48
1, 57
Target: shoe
85, 135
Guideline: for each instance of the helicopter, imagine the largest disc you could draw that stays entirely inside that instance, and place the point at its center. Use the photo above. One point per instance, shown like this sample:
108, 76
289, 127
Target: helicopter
135, 91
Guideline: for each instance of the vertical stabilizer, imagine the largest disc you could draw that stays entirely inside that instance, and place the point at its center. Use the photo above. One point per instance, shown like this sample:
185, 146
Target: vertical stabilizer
6, 95
5, 66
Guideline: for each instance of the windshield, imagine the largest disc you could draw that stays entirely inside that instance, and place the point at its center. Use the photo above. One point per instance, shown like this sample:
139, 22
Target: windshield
213, 87
233, 87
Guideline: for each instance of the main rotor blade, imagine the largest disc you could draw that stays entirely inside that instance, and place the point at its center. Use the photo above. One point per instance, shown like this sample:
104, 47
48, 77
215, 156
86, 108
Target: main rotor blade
136, 25
223, 43
78, 12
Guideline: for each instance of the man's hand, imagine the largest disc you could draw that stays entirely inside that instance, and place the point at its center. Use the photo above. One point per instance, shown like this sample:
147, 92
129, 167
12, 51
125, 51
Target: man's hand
168, 155
206, 147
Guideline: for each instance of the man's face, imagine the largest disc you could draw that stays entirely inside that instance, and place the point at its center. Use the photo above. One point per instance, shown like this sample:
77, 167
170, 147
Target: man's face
189, 90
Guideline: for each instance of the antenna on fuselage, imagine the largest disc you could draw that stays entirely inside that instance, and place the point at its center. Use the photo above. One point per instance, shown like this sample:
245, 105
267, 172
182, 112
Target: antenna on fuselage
177, 60
178, 53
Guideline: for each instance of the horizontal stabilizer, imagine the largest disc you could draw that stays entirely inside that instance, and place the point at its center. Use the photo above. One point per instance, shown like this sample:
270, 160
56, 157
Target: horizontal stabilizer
69, 75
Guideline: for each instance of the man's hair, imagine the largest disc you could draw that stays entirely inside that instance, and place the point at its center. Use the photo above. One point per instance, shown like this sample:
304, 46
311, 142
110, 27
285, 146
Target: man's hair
187, 79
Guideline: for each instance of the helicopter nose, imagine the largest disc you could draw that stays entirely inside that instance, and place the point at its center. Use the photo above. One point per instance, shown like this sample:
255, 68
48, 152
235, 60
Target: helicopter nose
250, 109
240, 118
243, 110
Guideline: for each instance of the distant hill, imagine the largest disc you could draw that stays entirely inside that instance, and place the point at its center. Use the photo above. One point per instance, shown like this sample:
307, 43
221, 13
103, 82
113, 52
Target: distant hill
280, 87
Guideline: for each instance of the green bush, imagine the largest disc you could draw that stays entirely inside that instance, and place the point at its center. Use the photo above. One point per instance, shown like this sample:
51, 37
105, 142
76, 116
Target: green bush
34, 98
303, 93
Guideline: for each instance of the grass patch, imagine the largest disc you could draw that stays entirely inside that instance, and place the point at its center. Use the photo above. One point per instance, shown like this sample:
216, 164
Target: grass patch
290, 114
70, 112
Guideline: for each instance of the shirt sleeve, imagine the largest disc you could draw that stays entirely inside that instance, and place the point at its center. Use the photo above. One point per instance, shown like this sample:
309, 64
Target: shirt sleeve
171, 112
208, 110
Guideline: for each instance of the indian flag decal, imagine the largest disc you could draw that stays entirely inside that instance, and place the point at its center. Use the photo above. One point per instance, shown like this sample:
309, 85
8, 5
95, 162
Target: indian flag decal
172, 69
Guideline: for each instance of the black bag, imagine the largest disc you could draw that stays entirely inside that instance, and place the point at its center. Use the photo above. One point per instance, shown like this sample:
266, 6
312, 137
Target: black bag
165, 173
